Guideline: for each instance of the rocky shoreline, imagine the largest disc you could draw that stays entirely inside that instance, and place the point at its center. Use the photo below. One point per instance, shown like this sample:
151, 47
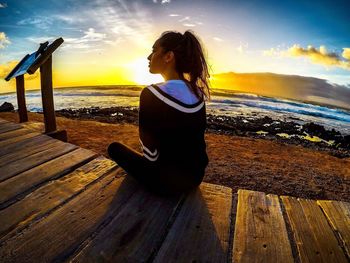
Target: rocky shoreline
309, 135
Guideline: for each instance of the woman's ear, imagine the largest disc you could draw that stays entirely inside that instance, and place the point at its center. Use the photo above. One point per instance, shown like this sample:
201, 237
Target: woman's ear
169, 56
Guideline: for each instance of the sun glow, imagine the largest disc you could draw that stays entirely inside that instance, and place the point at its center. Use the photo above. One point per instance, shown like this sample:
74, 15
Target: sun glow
140, 72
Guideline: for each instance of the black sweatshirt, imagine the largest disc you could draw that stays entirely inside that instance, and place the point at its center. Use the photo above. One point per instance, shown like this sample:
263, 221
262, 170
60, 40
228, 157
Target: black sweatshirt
172, 132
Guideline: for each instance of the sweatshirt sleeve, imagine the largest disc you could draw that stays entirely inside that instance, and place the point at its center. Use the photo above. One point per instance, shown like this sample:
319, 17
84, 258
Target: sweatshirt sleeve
148, 125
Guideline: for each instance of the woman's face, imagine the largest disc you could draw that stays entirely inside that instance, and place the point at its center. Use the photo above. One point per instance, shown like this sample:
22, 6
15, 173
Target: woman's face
156, 59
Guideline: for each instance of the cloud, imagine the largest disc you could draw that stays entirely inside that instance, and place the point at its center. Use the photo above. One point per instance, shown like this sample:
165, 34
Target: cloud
218, 39
111, 23
91, 35
3, 5
41, 22
346, 53
162, 1
89, 40
4, 40
240, 49
38, 40
285, 86
174, 15
186, 18
189, 25
318, 56
271, 52
69, 19
6, 68
188, 21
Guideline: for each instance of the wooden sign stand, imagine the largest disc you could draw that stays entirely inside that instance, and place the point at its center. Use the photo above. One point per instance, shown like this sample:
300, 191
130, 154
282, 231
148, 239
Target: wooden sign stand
43, 59
21, 99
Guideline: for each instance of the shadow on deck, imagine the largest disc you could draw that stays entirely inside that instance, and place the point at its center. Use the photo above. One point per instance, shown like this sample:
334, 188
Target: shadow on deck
60, 202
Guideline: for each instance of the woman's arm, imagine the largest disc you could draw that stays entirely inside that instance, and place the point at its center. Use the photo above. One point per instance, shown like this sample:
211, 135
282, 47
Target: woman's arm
149, 125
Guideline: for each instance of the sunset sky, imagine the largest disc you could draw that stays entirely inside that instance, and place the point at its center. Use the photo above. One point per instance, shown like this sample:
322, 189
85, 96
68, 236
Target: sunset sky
107, 42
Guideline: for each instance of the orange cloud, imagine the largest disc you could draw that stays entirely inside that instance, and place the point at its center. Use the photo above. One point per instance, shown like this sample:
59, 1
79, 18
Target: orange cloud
6, 68
318, 56
346, 53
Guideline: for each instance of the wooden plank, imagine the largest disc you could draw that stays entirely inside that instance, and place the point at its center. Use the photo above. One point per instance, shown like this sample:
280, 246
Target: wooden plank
9, 127
57, 236
338, 214
3, 121
260, 231
21, 99
135, 233
33, 178
17, 139
48, 197
27, 151
14, 133
204, 220
23, 144
33, 160
315, 239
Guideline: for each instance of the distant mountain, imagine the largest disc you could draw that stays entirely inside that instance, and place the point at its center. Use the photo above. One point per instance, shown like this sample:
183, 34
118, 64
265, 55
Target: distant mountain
307, 89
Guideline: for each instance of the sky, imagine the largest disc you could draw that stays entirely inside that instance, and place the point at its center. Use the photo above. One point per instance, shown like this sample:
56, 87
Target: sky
107, 42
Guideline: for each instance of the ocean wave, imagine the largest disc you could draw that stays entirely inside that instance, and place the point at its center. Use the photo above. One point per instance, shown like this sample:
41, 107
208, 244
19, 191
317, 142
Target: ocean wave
97, 94
331, 115
230, 103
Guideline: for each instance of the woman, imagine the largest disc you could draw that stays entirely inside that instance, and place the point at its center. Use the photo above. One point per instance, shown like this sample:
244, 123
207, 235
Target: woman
172, 119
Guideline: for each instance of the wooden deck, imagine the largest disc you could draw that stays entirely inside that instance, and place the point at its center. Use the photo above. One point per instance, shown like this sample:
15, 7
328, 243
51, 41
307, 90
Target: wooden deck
59, 203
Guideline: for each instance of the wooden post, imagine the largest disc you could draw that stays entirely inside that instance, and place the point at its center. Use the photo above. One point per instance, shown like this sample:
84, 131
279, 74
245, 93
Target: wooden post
21, 100
47, 95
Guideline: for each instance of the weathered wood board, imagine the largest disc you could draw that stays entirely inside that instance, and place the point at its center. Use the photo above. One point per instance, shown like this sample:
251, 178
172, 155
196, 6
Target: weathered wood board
135, 232
36, 159
201, 231
14, 133
5, 127
51, 195
8, 142
57, 236
314, 237
25, 151
338, 214
3, 120
260, 231
22, 145
30, 179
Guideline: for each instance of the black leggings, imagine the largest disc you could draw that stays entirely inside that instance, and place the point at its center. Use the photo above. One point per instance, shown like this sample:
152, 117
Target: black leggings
160, 179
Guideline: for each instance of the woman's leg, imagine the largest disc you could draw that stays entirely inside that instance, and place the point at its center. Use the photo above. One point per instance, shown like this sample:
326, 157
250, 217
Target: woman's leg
136, 165
163, 180
130, 160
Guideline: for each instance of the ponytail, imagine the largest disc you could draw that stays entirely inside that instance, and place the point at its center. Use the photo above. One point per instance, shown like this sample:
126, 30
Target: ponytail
190, 60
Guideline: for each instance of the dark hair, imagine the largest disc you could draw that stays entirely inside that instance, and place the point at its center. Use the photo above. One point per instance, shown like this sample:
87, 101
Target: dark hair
189, 59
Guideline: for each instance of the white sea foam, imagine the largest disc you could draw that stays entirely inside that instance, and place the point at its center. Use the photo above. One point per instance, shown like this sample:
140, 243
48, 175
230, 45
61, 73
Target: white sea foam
248, 105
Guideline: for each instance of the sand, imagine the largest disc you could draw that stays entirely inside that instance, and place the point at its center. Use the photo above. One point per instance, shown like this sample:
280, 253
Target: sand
234, 161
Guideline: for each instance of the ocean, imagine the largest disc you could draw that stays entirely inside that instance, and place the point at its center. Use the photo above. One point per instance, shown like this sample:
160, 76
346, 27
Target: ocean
227, 103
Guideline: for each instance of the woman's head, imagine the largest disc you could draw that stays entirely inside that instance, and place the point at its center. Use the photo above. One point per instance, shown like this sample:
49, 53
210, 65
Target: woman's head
182, 53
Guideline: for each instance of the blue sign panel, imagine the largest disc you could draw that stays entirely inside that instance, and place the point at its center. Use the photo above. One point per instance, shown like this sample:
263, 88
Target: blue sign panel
25, 65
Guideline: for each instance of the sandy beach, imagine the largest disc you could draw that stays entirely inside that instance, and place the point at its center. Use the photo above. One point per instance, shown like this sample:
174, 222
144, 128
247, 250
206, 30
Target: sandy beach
234, 161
